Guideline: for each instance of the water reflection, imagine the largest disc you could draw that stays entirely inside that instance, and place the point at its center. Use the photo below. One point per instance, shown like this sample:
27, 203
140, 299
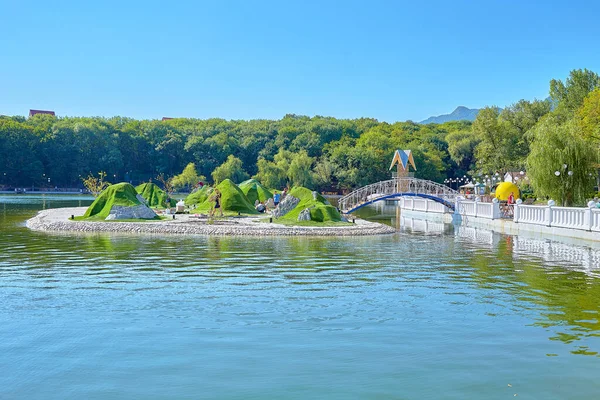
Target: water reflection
436, 294
559, 277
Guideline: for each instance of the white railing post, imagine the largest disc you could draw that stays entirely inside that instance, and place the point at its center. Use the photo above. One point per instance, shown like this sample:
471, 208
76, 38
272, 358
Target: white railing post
426, 205
588, 220
495, 208
517, 210
549, 213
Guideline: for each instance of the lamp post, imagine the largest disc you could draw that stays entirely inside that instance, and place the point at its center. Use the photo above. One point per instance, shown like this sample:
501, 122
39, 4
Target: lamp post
562, 187
563, 176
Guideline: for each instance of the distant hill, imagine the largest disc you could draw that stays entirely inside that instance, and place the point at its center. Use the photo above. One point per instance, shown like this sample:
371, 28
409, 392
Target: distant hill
461, 113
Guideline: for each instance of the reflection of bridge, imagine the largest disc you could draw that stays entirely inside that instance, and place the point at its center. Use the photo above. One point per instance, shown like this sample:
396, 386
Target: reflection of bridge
396, 188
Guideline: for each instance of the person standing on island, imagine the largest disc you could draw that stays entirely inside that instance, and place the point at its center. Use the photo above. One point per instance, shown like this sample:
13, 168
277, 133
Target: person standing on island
216, 197
276, 198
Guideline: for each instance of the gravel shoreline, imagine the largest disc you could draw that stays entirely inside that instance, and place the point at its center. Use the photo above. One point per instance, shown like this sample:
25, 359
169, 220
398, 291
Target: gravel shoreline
57, 220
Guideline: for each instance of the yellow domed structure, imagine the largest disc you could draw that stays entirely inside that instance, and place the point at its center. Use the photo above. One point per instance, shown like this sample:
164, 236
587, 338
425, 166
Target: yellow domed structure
504, 189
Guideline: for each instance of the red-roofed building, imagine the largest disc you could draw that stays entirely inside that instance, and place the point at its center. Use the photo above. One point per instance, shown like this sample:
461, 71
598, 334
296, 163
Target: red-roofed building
166, 118
33, 112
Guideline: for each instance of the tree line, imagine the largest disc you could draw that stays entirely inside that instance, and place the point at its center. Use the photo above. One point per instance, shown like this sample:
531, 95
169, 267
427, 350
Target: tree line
558, 135
320, 152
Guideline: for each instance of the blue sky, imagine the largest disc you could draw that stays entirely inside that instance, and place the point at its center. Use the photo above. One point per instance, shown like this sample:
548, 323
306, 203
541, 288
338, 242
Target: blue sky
390, 60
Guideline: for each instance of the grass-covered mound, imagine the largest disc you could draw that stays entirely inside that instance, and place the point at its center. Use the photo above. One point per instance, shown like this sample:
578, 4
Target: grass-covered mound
155, 196
320, 209
198, 196
233, 200
255, 191
122, 195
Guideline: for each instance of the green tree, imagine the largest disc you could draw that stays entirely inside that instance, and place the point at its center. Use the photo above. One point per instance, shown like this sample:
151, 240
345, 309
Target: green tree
570, 95
488, 131
188, 178
461, 147
300, 170
230, 169
589, 116
95, 185
18, 155
323, 174
502, 136
274, 174
561, 162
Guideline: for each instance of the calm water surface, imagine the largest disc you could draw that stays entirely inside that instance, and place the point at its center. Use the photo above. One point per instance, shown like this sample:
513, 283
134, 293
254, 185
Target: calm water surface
431, 312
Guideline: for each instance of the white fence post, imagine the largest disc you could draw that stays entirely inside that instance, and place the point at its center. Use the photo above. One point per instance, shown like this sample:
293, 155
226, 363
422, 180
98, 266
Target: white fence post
549, 213
495, 208
517, 210
588, 220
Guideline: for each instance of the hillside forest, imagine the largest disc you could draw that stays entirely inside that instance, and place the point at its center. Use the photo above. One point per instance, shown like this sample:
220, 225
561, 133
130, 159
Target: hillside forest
555, 140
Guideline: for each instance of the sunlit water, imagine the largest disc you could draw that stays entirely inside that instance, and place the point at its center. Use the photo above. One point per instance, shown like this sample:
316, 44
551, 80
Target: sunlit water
431, 312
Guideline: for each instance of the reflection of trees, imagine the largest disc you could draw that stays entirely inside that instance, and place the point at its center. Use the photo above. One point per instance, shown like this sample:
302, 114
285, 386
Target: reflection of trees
537, 276
569, 298
552, 275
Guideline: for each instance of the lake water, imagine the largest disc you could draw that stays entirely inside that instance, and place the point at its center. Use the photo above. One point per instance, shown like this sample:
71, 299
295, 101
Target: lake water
430, 312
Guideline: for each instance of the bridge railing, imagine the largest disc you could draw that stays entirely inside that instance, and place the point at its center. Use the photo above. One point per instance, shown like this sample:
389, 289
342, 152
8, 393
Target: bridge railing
400, 186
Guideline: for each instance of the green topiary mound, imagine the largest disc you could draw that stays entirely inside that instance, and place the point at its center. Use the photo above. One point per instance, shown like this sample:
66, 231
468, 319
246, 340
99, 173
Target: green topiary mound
120, 194
255, 191
155, 196
198, 196
233, 200
320, 209
323, 213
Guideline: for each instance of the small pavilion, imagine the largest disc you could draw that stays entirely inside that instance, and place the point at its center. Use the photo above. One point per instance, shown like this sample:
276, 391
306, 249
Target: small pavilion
403, 160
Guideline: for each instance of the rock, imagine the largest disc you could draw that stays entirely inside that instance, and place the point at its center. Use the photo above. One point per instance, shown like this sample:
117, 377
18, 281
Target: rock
304, 215
141, 199
286, 205
140, 211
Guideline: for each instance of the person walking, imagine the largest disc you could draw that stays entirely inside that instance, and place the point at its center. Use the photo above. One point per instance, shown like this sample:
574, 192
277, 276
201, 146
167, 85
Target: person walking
216, 197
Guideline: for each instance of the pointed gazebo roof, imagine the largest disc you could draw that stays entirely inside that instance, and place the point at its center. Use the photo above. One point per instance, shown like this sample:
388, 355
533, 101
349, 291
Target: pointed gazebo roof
403, 158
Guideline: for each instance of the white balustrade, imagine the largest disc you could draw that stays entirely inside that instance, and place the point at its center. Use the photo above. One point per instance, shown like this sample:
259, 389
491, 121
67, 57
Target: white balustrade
434, 206
569, 217
485, 210
531, 214
595, 220
420, 204
580, 218
467, 208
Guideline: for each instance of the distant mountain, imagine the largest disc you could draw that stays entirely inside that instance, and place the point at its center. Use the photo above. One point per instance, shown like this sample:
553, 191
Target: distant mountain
461, 113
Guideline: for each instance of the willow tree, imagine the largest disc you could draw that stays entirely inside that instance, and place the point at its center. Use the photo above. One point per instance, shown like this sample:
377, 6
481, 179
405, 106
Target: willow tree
561, 162
188, 178
230, 169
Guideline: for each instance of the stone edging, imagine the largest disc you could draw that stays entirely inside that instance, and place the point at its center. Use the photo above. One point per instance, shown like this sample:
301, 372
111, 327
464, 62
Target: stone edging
57, 220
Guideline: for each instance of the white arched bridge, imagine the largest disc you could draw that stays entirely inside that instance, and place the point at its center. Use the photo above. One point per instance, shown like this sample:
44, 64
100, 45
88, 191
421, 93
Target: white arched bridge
396, 188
